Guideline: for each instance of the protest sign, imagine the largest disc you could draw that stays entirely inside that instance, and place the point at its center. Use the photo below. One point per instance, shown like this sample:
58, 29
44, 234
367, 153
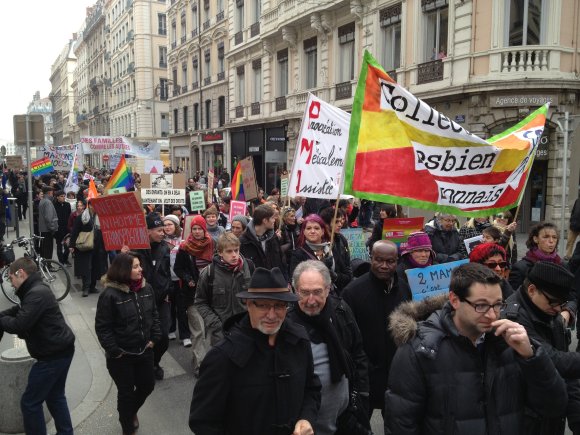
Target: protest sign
431, 280
116, 191
122, 221
398, 229
62, 156
153, 167
163, 188
119, 145
210, 184
472, 243
405, 152
284, 182
14, 162
249, 178
356, 243
319, 160
197, 200
41, 166
237, 208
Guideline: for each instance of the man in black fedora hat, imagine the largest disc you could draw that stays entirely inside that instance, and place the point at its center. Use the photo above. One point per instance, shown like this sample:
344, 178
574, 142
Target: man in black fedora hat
260, 378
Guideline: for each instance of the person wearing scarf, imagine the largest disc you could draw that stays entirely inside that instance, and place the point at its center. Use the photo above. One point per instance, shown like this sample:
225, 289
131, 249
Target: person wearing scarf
339, 360
194, 254
418, 253
290, 232
211, 218
227, 275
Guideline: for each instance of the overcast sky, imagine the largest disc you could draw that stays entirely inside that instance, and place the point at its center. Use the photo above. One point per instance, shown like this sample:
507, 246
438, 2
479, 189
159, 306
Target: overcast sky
33, 33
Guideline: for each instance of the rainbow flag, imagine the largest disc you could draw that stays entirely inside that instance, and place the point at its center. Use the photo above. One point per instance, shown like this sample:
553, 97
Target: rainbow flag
41, 167
237, 185
122, 176
403, 151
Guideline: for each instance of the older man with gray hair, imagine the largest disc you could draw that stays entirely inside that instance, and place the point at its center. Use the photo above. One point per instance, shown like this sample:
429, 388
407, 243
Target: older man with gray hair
445, 238
337, 349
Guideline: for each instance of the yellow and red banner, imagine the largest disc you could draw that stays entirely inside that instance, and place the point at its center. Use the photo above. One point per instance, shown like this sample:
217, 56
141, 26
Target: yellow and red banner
403, 151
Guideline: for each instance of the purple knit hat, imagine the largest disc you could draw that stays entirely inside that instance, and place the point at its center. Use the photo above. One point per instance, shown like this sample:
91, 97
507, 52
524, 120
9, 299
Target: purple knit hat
418, 240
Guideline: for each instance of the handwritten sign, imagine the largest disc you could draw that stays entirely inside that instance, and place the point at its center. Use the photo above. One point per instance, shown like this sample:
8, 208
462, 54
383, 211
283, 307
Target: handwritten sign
120, 145
14, 162
62, 157
431, 280
319, 160
284, 185
122, 221
356, 243
397, 230
163, 188
249, 178
237, 208
197, 199
472, 243
210, 181
116, 190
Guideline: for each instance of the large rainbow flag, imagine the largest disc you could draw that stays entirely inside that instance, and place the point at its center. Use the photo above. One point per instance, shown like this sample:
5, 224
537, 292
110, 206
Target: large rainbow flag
122, 176
41, 167
403, 151
237, 185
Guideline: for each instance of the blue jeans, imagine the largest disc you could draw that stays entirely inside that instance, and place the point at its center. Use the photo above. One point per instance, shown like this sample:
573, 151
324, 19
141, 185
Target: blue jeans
46, 382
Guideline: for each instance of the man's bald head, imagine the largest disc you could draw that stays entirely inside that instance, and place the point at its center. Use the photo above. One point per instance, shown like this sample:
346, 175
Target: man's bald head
384, 258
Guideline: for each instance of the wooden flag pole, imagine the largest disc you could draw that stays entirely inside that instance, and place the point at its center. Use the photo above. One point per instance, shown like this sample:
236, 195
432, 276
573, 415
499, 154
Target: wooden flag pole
332, 225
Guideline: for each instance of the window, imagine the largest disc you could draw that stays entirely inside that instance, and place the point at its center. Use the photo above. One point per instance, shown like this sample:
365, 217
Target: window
222, 110
163, 91
257, 10
346, 52
175, 120
525, 21
436, 23
164, 124
173, 33
163, 56
195, 70
310, 51
183, 27
239, 16
184, 74
161, 24
220, 5
196, 116
221, 56
207, 64
175, 85
282, 57
194, 22
257, 69
240, 84
390, 19
185, 120
208, 114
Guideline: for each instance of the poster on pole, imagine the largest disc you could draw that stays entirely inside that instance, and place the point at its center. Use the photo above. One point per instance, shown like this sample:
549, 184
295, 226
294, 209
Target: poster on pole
14, 162
153, 167
431, 280
122, 221
197, 199
356, 243
317, 171
210, 182
237, 208
163, 188
249, 178
284, 182
397, 230
120, 145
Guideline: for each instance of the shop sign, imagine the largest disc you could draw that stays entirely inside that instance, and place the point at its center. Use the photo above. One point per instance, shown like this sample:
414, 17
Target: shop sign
208, 137
522, 100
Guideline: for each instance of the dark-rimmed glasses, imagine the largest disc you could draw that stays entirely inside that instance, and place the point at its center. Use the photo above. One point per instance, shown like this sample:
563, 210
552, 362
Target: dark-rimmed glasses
484, 308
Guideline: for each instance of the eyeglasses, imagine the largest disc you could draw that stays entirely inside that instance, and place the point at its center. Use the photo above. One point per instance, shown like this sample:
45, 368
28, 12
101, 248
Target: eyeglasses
502, 216
484, 308
307, 293
493, 264
278, 307
554, 303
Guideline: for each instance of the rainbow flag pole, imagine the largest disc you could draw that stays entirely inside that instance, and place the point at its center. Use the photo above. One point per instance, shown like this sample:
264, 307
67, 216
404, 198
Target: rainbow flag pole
122, 176
237, 185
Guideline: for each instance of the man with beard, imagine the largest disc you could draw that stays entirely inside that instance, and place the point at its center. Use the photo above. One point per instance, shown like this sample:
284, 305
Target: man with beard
339, 359
260, 378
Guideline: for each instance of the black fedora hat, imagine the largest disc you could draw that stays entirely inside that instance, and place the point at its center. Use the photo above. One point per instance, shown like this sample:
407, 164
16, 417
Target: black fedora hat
268, 284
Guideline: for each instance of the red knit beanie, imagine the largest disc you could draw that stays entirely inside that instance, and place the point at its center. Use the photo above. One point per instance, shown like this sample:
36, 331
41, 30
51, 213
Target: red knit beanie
485, 250
199, 220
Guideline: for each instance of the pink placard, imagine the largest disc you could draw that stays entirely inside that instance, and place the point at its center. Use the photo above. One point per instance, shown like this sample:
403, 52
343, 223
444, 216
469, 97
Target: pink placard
237, 208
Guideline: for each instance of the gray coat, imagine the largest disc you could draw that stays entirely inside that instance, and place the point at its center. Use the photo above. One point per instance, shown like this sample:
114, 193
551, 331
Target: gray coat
47, 217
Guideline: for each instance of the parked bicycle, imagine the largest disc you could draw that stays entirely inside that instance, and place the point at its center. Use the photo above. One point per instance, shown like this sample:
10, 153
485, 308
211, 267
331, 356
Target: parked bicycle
53, 273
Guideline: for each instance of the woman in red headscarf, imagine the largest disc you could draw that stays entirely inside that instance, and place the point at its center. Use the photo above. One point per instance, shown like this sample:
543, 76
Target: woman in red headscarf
194, 254
493, 256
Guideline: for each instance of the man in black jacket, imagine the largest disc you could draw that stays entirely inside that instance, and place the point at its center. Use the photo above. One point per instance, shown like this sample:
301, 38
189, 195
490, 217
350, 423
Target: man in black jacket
463, 371
63, 211
372, 298
260, 378
337, 349
537, 306
39, 321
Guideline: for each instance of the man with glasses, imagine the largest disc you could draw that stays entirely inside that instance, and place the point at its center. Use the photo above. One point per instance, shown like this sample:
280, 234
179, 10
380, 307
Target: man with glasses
260, 378
445, 238
537, 306
462, 370
339, 359
372, 298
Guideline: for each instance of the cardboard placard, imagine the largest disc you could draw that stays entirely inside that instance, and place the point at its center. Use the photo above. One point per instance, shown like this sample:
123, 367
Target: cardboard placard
117, 190
431, 280
356, 243
397, 230
14, 162
237, 208
197, 199
249, 178
210, 181
163, 188
122, 221
153, 167
472, 242
284, 181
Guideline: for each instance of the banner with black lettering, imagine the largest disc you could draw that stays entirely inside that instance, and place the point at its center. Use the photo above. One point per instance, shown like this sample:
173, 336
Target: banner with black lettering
318, 166
403, 151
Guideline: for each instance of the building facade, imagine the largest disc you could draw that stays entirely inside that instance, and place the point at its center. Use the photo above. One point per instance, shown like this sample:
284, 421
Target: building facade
61, 95
38, 106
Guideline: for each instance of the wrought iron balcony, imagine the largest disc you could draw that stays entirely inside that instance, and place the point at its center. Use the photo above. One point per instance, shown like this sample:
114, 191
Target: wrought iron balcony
239, 111
184, 89
255, 29
206, 25
174, 44
194, 33
255, 108
221, 76
238, 38
206, 81
183, 39
280, 103
343, 90
430, 72
194, 85
219, 17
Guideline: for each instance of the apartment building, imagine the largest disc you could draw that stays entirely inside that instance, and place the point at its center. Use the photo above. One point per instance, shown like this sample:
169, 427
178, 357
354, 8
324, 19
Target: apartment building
197, 47
61, 95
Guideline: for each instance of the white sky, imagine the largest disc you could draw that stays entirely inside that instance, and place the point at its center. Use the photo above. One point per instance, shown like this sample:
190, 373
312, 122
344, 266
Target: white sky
33, 33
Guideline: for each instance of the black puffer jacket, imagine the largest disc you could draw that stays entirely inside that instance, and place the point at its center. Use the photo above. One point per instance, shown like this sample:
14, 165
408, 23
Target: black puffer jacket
247, 387
39, 321
156, 264
252, 249
446, 244
439, 385
551, 333
126, 320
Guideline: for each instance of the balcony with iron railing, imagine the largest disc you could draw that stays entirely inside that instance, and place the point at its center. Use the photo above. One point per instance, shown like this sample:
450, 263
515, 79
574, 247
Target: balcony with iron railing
206, 24
194, 86
219, 17
239, 37
255, 29
289, 12
184, 89
239, 111
430, 72
194, 33
183, 39
280, 103
206, 81
255, 108
221, 76
343, 90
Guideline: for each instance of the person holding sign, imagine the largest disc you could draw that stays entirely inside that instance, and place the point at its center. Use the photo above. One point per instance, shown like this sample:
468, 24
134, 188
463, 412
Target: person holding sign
417, 254
445, 238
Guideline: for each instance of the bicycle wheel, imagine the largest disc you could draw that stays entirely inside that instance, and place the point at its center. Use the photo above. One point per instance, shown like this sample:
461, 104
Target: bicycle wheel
7, 288
56, 277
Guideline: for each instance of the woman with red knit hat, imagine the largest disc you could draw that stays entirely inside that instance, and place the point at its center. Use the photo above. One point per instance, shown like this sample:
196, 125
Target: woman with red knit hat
194, 254
416, 254
493, 256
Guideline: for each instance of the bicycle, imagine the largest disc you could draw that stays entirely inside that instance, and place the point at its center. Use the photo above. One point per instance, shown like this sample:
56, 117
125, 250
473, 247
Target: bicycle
53, 273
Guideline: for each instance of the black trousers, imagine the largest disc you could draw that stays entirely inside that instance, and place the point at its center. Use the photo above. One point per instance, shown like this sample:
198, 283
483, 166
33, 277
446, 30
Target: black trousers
178, 312
134, 378
61, 250
47, 245
165, 322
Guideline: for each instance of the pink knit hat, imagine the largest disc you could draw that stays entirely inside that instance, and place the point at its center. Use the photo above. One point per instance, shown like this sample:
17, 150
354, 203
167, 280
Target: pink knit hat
417, 240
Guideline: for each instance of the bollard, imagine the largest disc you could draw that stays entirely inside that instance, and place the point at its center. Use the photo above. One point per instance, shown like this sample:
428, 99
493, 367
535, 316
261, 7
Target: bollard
15, 365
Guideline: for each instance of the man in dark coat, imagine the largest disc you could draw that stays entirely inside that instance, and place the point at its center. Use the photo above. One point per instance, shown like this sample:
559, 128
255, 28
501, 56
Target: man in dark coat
372, 298
573, 229
259, 242
63, 212
445, 238
47, 222
337, 349
462, 371
537, 306
260, 378
39, 321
